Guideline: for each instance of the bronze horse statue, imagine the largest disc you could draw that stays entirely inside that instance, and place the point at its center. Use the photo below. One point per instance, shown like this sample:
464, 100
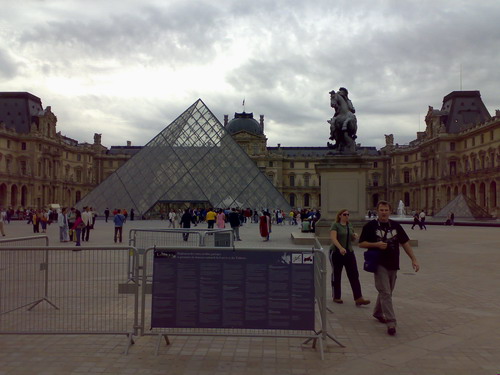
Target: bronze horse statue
343, 125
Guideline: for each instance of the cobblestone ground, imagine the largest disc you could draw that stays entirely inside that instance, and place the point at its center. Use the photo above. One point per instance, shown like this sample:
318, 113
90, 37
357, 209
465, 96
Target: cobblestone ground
448, 321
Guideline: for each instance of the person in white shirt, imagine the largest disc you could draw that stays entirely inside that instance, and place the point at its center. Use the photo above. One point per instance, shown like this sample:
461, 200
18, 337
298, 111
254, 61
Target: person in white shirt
87, 220
62, 222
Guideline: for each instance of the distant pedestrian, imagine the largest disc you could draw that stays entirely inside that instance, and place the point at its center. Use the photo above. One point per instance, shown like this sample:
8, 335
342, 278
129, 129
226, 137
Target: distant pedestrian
221, 220
211, 216
265, 225
452, 218
119, 220
234, 221
78, 226
186, 221
62, 222
422, 220
132, 214
416, 220
172, 218
106, 214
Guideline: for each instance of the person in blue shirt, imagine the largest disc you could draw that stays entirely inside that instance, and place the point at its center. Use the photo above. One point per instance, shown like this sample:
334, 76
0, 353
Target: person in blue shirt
119, 220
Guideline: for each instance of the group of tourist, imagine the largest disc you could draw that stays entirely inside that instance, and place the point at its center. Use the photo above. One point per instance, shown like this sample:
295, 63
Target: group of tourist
382, 235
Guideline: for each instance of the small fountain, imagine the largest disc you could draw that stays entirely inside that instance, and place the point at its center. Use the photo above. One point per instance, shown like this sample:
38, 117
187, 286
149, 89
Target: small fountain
401, 209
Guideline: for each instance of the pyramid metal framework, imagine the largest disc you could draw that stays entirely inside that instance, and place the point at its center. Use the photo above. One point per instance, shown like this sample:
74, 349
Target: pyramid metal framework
464, 208
194, 159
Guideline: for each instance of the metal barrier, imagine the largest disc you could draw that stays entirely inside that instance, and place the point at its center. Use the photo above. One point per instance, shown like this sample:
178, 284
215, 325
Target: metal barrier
142, 239
57, 290
319, 333
41, 240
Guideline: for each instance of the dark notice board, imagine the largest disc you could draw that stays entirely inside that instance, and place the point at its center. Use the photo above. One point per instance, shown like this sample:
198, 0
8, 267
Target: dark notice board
233, 289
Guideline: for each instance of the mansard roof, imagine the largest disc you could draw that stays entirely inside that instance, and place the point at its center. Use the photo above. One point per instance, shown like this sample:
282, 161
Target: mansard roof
18, 108
462, 110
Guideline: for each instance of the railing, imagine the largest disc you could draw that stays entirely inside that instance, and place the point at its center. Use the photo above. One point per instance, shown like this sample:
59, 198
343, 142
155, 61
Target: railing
88, 290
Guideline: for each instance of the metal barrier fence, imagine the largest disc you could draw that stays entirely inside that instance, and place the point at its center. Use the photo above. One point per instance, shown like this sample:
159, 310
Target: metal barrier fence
318, 334
41, 240
142, 239
57, 290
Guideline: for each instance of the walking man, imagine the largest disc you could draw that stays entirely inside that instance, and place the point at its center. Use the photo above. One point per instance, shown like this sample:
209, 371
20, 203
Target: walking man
234, 221
119, 220
385, 235
87, 220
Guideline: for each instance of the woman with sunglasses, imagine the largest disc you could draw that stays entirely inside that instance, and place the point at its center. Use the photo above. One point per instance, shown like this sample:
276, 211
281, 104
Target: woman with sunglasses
342, 255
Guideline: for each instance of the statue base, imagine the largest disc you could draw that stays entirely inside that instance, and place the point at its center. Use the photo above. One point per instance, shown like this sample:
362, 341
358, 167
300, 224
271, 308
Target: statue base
343, 186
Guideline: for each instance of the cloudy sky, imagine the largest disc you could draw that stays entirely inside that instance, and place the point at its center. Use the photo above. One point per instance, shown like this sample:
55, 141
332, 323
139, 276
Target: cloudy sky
127, 69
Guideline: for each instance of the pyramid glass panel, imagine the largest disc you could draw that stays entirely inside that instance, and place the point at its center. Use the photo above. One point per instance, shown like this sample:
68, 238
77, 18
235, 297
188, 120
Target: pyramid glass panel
193, 159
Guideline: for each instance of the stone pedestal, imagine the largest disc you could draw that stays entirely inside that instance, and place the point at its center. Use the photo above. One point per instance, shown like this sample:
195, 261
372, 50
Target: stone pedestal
343, 185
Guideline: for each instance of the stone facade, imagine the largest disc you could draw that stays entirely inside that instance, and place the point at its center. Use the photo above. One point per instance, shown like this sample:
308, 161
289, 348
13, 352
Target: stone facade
458, 153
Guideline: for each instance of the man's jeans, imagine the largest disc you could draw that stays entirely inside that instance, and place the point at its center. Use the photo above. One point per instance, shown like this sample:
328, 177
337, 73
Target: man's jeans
385, 281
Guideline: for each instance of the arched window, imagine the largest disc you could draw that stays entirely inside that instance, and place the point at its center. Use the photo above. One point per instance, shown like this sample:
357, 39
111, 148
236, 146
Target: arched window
407, 199
292, 200
375, 200
307, 200
292, 180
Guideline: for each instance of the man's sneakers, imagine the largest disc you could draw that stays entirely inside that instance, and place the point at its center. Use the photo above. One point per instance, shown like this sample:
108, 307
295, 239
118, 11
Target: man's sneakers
391, 331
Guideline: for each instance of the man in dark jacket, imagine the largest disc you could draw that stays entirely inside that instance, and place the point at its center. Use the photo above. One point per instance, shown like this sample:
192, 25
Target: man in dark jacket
234, 221
186, 220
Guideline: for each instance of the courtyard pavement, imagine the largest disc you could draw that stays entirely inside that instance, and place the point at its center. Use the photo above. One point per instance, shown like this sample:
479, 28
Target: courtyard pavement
448, 321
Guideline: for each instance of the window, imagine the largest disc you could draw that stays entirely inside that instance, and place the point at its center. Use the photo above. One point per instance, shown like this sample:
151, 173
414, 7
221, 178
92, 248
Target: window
482, 138
78, 175
452, 146
78, 157
307, 179
375, 180
473, 140
292, 164
307, 199
453, 168
271, 164
375, 164
110, 163
23, 167
292, 200
491, 135
8, 143
306, 164
406, 176
406, 158
23, 146
292, 180
39, 147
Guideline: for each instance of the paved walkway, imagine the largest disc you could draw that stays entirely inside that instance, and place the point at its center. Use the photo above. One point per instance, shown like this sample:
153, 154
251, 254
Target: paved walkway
448, 322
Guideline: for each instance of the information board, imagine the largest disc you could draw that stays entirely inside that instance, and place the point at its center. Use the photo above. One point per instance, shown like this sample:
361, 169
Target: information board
233, 289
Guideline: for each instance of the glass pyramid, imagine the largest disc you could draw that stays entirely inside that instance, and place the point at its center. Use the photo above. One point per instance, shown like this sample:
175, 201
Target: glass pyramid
194, 159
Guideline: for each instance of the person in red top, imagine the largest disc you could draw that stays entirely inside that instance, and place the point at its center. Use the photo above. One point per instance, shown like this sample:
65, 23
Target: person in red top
77, 227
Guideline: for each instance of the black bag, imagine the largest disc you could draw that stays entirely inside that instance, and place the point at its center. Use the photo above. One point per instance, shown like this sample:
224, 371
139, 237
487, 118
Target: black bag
371, 260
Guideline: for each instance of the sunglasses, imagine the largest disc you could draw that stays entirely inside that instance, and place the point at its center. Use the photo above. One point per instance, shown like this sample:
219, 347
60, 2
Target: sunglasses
345, 214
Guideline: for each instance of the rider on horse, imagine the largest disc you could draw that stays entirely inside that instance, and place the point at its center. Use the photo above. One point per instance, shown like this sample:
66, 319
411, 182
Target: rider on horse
343, 125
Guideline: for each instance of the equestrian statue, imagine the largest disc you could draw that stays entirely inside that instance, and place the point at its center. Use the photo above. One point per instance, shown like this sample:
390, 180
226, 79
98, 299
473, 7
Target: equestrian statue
343, 124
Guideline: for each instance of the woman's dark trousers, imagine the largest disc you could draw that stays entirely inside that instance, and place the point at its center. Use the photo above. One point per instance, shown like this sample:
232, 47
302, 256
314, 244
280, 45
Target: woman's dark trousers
348, 261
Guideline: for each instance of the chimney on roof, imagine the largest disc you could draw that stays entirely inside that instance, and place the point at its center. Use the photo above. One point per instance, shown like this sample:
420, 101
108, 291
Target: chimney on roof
262, 123
129, 143
226, 120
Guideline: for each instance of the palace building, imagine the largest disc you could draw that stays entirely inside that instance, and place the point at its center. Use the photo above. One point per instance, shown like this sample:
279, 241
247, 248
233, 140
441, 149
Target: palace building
458, 153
